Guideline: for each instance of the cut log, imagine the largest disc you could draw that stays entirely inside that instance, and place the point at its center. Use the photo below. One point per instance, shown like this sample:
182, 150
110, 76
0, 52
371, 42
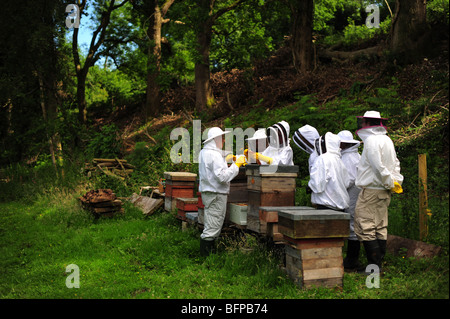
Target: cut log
411, 248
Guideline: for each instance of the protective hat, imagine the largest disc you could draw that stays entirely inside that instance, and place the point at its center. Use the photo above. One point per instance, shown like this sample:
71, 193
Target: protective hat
214, 132
304, 138
278, 134
259, 134
371, 119
347, 137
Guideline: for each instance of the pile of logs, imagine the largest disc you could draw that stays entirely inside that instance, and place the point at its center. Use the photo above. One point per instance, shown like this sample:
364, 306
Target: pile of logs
101, 203
113, 167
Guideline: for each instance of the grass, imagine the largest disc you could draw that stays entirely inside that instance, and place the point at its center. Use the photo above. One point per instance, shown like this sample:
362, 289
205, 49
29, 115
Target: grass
131, 256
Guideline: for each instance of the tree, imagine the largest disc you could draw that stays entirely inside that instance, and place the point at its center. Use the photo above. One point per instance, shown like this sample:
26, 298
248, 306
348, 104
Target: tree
154, 12
104, 11
408, 28
301, 34
207, 14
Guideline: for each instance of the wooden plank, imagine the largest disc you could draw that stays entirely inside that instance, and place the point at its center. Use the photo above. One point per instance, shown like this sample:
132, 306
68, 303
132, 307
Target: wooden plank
319, 263
311, 253
423, 197
270, 213
257, 170
180, 176
147, 204
271, 184
324, 273
314, 243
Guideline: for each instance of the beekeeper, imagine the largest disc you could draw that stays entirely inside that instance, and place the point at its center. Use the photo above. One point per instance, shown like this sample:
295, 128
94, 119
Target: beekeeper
305, 138
214, 186
279, 149
350, 157
329, 177
257, 145
378, 175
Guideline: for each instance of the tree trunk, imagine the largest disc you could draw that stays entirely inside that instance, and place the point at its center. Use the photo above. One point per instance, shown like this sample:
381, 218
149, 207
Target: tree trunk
203, 92
81, 96
408, 28
153, 63
301, 42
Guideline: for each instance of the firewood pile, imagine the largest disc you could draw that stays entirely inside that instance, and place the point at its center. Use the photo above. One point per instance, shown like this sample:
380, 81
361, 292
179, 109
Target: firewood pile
101, 203
115, 167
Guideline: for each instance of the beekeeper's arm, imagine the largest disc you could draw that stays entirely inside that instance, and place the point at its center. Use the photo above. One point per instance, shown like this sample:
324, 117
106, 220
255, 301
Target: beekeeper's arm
379, 164
221, 171
318, 176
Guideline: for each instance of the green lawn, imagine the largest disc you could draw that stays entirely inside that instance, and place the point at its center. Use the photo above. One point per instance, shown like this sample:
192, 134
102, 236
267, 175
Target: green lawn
132, 256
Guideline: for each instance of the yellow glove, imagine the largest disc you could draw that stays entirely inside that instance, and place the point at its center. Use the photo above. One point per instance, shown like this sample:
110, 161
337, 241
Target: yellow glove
264, 158
246, 153
397, 188
241, 161
229, 158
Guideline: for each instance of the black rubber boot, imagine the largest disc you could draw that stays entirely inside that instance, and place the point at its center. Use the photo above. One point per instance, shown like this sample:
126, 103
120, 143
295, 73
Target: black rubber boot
351, 262
373, 252
206, 247
382, 245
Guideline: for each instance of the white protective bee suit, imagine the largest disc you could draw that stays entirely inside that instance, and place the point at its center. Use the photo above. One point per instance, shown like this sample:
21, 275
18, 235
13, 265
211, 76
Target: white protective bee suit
329, 178
214, 185
305, 138
350, 157
279, 149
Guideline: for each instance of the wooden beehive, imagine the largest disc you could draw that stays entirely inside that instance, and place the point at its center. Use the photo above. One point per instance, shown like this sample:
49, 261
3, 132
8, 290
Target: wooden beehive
238, 188
268, 188
315, 262
185, 205
268, 215
313, 223
178, 185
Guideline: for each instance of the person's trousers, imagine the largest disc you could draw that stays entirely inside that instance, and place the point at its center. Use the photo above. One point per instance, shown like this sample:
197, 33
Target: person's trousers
371, 214
215, 210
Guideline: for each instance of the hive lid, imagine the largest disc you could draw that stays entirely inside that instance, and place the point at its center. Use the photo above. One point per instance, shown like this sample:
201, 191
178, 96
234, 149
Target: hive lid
280, 208
180, 176
313, 214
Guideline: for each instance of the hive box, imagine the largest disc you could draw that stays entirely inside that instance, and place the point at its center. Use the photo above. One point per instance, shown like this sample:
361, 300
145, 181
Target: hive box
268, 216
268, 188
313, 223
185, 205
238, 188
238, 213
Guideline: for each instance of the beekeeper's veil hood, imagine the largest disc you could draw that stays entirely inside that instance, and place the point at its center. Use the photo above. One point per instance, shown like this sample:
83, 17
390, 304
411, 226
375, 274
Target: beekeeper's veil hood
328, 143
304, 138
371, 119
278, 134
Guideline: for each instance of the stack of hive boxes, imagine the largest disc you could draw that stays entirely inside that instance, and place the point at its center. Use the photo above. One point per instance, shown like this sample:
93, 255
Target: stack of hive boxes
268, 187
314, 245
178, 185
